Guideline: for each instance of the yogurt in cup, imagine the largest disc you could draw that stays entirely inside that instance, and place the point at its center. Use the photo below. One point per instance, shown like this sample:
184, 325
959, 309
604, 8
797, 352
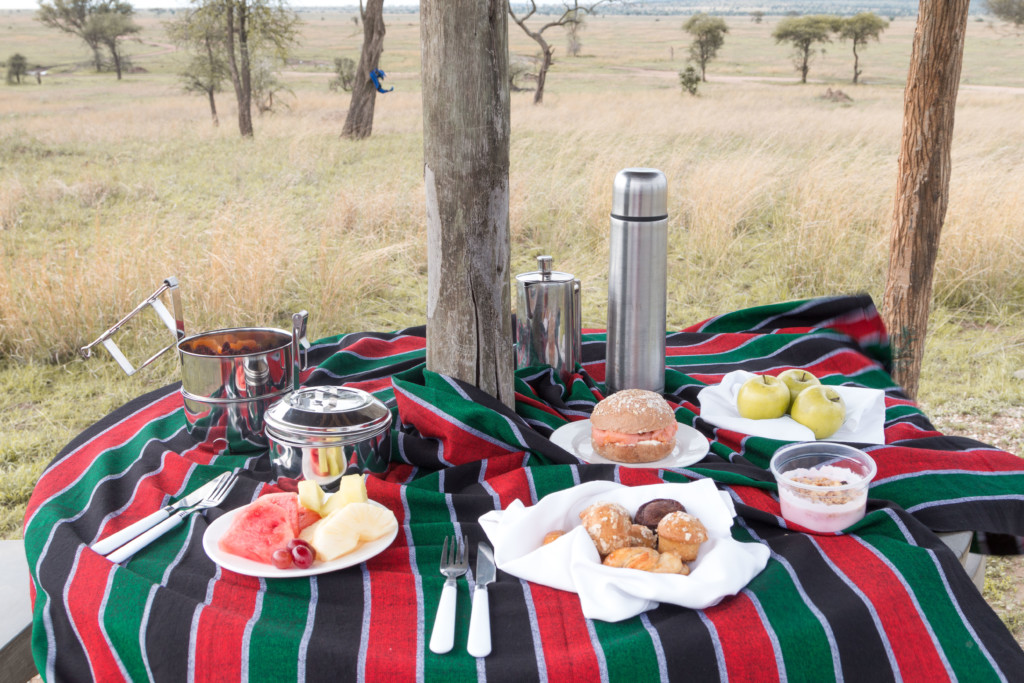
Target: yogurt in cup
823, 486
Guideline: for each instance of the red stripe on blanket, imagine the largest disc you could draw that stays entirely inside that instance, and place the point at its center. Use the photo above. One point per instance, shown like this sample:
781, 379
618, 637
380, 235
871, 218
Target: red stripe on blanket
896, 460
746, 646
86, 590
568, 652
370, 347
61, 475
908, 635
220, 634
393, 616
372, 386
460, 445
153, 488
720, 343
539, 405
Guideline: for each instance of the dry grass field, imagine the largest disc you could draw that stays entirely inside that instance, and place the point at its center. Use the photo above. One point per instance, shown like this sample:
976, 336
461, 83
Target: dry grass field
107, 187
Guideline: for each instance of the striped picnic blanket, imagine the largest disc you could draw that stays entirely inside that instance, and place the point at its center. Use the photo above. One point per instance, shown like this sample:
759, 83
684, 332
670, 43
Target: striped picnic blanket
885, 601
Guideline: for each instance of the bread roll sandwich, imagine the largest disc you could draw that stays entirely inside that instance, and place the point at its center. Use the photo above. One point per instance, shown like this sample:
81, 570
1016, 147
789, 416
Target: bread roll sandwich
633, 426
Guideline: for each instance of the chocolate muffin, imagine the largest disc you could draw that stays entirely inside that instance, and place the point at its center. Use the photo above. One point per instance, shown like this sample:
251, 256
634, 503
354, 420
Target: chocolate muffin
651, 512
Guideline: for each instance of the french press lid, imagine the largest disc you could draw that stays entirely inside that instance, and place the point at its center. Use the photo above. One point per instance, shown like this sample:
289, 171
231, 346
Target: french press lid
545, 274
311, 413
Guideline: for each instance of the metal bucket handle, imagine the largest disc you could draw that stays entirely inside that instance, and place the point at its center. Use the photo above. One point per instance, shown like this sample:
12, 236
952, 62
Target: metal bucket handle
300, 346
174, 323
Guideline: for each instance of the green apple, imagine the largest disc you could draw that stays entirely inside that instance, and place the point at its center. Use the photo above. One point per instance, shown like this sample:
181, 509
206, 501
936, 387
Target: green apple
821, 409
763, 398
797, 381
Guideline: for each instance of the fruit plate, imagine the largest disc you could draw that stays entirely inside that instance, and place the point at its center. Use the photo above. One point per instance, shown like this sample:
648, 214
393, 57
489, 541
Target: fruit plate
691, 446
242, 565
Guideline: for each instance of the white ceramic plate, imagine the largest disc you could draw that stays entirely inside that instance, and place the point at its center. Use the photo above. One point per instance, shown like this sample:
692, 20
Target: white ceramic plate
249, 567
691, 446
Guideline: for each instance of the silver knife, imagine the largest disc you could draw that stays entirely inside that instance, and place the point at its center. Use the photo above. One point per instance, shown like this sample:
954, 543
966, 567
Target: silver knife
479, 644
116, 540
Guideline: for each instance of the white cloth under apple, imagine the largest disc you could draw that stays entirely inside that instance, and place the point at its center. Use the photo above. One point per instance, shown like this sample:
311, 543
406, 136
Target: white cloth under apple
571, 563
865, 413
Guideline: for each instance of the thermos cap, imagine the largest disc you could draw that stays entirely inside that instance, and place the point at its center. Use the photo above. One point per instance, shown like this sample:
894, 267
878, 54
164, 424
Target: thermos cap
640, 193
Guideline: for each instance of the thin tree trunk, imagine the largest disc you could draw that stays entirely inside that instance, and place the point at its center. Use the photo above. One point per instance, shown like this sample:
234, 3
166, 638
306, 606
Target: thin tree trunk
243, 96
922, 186
856, 63
466, 161
359, 121
542, 73
115, 55
213, 107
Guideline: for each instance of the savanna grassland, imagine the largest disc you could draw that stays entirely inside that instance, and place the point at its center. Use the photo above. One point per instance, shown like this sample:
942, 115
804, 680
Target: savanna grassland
776, 193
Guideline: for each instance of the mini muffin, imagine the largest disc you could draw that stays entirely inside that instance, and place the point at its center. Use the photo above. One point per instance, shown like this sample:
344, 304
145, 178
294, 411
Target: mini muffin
608, 525
552, 536
641, 536
651, 512
681, 534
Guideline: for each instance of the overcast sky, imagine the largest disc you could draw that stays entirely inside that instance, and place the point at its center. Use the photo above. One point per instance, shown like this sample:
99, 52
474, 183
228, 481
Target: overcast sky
152, 4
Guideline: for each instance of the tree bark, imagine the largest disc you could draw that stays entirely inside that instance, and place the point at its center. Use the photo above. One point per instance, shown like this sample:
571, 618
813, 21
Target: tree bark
922, 186
542, 73
213, 107
359, 121
239, 66
466, 161
856, 63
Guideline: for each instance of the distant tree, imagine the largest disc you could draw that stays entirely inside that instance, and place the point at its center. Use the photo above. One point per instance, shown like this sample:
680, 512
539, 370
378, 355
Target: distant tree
251, 29
359, 120
757, 16
201, 33
708, 36
859, 29
1007, 10
573, 12
17, 66
265, 84
572, 33
344, 74
803, 33
100, 23
689, 79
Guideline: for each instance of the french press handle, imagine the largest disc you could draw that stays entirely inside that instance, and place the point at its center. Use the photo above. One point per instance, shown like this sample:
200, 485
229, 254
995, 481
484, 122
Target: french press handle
175, 323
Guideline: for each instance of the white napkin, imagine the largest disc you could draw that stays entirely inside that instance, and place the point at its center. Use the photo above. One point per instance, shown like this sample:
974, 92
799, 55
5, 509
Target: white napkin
571, 563
865, 413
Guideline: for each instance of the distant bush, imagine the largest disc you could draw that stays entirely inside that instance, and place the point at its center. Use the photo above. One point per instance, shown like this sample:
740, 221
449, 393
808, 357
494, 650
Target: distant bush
689, 79
345, 74
17, 65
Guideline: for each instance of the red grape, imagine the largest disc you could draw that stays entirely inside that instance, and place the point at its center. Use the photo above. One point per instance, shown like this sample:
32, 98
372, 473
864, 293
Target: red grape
282, 558
302, 555
296, 542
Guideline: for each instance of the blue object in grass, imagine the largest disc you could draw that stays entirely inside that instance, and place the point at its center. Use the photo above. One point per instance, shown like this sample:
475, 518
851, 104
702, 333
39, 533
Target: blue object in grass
375, 76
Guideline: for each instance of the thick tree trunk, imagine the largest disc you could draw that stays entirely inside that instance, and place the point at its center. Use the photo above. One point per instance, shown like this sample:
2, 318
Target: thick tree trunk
466, 160
359, 121
922, 187
213, 107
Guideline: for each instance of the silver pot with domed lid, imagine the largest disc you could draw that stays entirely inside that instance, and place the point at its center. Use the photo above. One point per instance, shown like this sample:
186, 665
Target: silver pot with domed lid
319, 432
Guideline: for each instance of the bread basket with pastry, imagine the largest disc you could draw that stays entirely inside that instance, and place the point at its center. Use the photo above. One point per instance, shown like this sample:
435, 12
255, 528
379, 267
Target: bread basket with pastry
596, 540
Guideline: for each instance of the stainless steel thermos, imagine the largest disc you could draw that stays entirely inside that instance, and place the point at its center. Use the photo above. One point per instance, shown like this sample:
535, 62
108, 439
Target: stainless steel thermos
637, 281
548, 319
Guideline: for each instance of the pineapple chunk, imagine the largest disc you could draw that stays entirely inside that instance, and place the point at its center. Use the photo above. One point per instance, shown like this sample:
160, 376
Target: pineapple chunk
353, 488
341, 531
311, 496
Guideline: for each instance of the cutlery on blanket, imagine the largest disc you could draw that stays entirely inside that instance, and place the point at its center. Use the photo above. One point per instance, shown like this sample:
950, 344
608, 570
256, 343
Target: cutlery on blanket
479, 644
116, 540
213, 498
454, 563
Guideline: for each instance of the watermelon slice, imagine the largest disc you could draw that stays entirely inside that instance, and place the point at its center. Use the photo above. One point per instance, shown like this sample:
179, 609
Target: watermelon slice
261, 528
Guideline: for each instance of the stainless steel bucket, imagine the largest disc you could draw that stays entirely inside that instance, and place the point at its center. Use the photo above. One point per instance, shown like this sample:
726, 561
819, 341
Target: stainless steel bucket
229, 377
548, 320
317, 433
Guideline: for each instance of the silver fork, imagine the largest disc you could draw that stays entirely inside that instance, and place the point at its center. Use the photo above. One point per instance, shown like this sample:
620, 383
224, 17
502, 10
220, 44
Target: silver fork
454, 563
215, 498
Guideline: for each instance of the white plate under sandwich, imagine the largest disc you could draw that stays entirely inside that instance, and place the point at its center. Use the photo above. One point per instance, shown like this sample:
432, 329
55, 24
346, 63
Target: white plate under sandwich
691, 446
242, 565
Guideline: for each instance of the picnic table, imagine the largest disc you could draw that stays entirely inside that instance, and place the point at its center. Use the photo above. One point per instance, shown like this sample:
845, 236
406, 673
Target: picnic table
884, 600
